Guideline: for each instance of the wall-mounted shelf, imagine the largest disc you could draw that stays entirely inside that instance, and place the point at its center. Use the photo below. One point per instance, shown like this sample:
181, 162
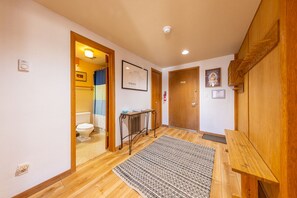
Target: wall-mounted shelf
239, 67
259, 50
85, 87
233, 75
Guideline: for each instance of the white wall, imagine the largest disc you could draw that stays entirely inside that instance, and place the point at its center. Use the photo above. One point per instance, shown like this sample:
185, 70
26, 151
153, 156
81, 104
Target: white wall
215, 114
35, 106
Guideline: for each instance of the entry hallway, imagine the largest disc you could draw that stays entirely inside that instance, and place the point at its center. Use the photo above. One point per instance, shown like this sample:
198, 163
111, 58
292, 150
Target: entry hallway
96, 179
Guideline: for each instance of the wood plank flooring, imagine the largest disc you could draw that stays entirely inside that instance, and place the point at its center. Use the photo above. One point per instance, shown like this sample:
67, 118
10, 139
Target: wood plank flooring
96, 179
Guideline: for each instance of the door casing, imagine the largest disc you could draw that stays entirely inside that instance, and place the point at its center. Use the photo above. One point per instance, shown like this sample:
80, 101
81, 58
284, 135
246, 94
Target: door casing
159, 114
110, 97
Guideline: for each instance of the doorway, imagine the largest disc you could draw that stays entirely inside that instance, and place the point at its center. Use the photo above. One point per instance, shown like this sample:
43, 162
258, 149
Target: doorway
84, 85
184, 98
157, 96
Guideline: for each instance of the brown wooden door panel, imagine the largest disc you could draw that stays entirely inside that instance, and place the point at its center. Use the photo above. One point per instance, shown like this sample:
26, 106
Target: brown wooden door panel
157, 97
184, 98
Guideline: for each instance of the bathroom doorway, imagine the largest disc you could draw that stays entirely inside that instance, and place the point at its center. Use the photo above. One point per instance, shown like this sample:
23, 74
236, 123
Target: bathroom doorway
92, 100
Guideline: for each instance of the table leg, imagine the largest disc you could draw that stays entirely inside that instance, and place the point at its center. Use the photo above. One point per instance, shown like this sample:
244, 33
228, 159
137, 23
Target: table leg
155, 124
129, 135
147, 122
121, 131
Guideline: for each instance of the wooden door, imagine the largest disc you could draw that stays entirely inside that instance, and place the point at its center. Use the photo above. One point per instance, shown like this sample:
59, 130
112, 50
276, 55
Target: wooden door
157, 97
184, 98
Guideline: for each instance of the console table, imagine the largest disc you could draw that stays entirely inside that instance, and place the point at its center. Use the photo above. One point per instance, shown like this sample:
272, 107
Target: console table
130, 116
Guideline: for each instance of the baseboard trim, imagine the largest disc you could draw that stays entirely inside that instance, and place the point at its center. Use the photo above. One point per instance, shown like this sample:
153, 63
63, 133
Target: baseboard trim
165, 125
43, 185
214, 134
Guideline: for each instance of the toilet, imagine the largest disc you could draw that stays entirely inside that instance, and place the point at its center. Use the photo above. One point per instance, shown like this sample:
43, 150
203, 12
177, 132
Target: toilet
84, 127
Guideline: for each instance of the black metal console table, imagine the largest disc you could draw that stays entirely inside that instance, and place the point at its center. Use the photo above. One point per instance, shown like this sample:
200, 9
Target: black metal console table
131, 132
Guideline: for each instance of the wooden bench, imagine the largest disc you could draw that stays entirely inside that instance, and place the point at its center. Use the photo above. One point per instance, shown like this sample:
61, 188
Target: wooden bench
245, 160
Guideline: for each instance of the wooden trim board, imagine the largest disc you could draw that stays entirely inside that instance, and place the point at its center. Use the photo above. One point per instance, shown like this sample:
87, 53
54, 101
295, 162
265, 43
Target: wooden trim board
43, 185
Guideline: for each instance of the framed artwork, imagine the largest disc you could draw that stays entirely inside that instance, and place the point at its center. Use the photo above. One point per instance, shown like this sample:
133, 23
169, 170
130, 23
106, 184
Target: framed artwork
134, 77
218, 94
213, 77
81, 76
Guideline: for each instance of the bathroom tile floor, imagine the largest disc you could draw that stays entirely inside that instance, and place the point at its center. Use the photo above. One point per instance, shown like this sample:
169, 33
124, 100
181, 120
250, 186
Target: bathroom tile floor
88, 150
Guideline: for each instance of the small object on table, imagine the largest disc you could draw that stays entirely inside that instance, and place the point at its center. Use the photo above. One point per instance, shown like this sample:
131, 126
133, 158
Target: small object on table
130, 116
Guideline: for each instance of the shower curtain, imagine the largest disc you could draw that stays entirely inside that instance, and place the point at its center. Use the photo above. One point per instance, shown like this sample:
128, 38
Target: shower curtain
100, 98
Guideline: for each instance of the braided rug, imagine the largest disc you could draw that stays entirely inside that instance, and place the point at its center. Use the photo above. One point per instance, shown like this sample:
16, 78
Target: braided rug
169, 167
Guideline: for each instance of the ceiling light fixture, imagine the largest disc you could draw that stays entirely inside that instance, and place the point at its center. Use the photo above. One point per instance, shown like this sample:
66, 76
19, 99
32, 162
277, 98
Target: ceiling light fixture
185, 52
89, 53
167, 29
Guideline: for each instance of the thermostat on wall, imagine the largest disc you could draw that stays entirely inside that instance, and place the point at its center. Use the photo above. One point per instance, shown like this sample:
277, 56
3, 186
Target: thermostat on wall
23, 66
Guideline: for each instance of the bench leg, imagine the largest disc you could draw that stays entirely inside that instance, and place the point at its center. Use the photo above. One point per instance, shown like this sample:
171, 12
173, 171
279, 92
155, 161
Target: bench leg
249, 186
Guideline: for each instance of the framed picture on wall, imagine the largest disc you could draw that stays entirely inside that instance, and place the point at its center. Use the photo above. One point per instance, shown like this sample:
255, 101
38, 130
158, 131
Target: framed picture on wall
134, 77
213, 77
81, 76
218, 94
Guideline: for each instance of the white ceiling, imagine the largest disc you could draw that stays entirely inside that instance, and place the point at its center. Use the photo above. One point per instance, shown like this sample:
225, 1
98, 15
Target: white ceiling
207, 28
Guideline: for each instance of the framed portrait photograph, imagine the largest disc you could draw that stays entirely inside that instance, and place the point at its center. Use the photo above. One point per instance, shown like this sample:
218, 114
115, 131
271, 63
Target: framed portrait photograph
134, 77
218, 94
81, 76
213, 77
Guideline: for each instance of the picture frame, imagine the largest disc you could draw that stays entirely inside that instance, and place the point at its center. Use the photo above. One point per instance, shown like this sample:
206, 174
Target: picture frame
81, 76
134, 77
213, 77
218, 94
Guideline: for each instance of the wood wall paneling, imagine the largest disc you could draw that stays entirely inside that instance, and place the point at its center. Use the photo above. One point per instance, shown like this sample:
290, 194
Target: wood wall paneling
266, 16
265, 110
259, 107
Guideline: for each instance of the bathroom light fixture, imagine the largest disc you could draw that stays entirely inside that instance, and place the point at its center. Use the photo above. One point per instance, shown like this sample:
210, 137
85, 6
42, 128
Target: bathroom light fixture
167, 29
185, 52
89, 53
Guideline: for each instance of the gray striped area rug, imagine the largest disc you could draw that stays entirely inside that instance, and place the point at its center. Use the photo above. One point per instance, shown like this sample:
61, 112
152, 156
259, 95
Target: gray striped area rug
169, 167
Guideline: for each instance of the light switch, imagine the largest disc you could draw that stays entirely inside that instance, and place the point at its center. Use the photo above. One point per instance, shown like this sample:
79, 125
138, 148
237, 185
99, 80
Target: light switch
23, 66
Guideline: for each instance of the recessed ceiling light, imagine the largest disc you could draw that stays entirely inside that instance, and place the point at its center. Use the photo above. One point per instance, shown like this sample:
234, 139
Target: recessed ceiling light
167, 29
89, 53
185, 52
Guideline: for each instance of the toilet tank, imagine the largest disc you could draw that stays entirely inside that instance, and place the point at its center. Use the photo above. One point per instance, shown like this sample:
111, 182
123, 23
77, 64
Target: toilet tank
83, 117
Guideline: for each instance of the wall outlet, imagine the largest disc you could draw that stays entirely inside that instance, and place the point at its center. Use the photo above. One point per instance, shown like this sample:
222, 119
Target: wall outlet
22, 169
23, 66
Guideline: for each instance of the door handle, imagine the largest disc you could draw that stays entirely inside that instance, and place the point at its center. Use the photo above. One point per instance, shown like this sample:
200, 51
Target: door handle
193, 104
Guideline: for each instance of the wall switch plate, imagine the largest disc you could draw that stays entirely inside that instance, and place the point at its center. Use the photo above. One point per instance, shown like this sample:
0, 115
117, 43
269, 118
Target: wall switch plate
22, 169
23, 66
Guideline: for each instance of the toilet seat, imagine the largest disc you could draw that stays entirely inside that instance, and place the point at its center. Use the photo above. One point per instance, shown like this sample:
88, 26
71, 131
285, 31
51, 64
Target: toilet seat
84, 126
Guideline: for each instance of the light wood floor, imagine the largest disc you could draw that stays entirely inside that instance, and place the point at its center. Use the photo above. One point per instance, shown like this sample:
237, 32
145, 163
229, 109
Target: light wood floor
96, 179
